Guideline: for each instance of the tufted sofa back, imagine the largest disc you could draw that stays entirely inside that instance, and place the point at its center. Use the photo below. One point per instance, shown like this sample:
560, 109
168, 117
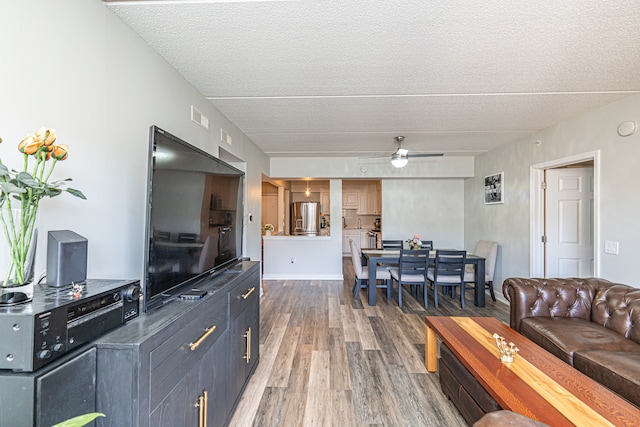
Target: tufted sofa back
550, 297
617, 307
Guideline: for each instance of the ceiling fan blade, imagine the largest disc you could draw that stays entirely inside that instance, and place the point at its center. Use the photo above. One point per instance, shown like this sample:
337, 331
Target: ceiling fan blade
425, 155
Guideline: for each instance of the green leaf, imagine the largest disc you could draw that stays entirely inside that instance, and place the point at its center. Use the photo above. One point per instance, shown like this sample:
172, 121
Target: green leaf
4, 171
52, 192
26, 179
76, 193
80, 420
9, 187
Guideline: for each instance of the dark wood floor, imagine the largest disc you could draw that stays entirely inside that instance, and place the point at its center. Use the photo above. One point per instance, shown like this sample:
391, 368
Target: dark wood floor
327, 359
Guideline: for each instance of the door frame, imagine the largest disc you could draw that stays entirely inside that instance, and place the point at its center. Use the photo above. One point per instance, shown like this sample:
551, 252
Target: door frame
536, 262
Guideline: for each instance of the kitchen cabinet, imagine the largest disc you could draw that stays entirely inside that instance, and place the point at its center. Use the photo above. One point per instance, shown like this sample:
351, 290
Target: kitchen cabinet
364, 239
325, 203
350, 200
373, 203
350, 234
362, 203
179, 363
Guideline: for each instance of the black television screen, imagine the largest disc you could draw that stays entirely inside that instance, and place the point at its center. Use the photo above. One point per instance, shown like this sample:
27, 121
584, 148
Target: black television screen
194, 216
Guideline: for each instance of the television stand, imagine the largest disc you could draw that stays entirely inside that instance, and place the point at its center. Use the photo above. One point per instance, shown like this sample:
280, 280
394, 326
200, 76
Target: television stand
160, 369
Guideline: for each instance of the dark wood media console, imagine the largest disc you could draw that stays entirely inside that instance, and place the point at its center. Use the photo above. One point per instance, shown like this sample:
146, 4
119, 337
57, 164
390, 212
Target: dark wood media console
186, 363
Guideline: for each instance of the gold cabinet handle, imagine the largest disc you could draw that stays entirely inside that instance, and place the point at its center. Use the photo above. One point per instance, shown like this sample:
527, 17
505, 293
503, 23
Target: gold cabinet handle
247, 353
249, 292
203, 406
205, 395
207, 332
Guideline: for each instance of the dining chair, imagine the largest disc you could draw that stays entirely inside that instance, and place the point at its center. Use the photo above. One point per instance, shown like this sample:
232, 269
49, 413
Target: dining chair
392, 244
207, 256
448, 272
187, 237
427, 244
411, 270
489, 251
362, 273
162, 236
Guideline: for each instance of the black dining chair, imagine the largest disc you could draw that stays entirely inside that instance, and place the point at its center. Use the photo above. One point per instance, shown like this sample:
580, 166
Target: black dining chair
427, 244
187, 237
392, 244
411, 270
448, 272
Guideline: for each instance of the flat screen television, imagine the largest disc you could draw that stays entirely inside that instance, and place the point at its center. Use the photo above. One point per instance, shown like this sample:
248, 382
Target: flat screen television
194, 217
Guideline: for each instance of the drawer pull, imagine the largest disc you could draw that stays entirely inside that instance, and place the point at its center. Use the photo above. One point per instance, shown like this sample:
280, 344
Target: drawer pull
202, 405
249, 292
247, 354
207, 332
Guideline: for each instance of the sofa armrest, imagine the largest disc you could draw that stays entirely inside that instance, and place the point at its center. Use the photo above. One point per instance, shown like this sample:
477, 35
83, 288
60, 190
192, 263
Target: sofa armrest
548, 298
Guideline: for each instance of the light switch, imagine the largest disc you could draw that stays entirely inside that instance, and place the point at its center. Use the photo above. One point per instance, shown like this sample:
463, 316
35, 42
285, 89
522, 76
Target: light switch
611, 247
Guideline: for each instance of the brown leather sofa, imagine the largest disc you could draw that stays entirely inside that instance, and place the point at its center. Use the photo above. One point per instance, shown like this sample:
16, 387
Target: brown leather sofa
592, 324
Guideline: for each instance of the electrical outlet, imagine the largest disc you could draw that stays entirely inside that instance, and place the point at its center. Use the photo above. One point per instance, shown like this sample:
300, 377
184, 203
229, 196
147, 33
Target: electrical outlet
611, 247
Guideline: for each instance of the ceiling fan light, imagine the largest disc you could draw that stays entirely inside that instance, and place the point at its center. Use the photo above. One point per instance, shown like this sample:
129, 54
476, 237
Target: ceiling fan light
398, 160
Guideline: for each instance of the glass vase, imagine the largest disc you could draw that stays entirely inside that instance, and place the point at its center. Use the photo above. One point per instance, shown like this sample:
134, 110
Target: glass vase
18, 242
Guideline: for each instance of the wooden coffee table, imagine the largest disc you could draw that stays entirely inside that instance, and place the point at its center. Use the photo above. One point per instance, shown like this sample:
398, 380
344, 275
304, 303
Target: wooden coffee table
537, 384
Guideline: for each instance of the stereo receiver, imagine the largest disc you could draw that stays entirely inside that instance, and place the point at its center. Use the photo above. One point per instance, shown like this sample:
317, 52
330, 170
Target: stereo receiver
59, 320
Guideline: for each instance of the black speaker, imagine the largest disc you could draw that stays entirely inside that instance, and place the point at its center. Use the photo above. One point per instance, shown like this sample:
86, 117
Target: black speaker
66, 258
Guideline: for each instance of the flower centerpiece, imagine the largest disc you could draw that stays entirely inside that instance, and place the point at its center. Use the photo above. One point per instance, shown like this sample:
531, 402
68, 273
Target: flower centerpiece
268, 228
20, 195
414, 242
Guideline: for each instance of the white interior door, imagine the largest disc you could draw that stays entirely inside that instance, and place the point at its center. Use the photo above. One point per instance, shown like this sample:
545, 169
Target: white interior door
569, 222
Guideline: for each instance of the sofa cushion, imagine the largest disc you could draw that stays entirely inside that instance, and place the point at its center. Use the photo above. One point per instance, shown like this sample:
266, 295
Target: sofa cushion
562, 336
616, 370
618, 308
550, 297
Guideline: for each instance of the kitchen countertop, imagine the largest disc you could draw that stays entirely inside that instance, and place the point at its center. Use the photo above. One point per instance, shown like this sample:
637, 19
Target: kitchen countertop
290, 237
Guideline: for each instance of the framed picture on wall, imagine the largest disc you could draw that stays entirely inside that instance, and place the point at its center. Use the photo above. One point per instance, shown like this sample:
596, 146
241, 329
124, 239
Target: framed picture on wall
494, 188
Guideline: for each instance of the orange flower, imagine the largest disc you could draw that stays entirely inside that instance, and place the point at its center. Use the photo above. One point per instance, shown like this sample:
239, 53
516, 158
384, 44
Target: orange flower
60, 152
46, 135
30, 144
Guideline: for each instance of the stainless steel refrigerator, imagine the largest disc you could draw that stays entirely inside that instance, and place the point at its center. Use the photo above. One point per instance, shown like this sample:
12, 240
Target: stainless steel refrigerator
305, 218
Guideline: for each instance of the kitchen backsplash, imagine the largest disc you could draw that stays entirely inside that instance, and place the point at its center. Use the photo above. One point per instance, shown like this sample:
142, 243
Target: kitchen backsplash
353, 220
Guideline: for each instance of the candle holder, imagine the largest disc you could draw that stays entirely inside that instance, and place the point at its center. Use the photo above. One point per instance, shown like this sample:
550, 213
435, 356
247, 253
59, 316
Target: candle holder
507, 351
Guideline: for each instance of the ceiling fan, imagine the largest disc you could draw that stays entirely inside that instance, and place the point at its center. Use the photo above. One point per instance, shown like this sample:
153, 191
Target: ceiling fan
400, 158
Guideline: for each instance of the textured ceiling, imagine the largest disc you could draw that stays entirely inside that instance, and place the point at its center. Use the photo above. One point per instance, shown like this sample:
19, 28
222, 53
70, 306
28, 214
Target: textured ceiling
342, 78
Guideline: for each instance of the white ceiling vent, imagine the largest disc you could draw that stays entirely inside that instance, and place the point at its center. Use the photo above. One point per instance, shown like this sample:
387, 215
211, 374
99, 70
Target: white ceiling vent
225, 137
199, 118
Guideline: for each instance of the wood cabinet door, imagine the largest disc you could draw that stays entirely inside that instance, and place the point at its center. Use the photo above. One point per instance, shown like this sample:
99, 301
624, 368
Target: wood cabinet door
179, 407
325, 203
350, 199
212, 377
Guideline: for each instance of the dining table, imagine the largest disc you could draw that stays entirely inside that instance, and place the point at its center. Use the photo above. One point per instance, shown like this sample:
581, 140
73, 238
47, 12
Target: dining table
371, 257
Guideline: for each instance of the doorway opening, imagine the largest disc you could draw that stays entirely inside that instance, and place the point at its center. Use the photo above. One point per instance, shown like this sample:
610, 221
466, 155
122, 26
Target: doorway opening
570, 224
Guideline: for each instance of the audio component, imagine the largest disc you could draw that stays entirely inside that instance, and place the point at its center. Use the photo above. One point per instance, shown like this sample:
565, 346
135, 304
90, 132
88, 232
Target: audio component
59, 320
66, 258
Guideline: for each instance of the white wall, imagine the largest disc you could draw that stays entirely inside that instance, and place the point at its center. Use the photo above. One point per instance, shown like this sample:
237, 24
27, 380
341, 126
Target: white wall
619, 204
81, 70
432, 208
